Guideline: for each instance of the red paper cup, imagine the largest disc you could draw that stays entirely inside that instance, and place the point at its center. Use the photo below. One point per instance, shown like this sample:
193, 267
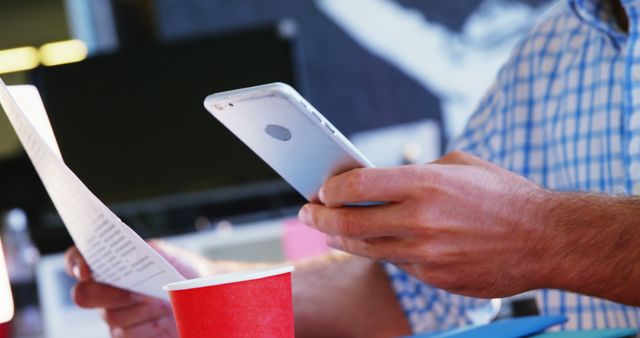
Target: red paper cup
4, 330
256, 303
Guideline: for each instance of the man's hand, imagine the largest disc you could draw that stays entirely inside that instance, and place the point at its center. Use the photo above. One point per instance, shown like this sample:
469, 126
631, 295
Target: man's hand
129, 314
461, 224
334, 296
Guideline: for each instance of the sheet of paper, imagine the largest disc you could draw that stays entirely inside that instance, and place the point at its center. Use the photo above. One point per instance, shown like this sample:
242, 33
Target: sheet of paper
116, 254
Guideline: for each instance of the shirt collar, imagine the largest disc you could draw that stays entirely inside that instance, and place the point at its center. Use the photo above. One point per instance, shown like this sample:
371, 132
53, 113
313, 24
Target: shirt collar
600, 15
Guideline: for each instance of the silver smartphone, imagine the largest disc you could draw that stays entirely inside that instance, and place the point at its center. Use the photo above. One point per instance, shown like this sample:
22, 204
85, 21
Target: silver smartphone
281, 127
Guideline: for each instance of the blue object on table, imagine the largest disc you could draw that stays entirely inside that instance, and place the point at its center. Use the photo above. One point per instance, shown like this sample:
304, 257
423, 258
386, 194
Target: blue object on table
605, 333
506, 328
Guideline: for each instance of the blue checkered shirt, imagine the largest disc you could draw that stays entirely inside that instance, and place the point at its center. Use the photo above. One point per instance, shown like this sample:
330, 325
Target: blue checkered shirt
565, 113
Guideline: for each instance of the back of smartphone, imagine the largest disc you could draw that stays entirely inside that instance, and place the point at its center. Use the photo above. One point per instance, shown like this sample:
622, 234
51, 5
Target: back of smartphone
281, 127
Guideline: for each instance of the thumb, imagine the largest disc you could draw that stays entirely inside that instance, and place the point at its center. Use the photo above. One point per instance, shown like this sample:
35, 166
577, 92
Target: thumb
189, 264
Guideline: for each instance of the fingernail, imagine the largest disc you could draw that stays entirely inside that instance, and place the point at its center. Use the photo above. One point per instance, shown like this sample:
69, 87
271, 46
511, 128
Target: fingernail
75, 269
321, 195
117, 332
304, 216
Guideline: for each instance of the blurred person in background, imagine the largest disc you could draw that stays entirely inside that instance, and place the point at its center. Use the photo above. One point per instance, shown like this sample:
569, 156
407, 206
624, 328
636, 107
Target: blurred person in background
537, 196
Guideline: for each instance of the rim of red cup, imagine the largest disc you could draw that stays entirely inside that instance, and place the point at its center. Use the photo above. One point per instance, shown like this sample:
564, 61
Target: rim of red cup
228, 278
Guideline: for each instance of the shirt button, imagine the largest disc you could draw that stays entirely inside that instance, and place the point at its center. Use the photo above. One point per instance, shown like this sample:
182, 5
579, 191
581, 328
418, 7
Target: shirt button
636, 73
636, 188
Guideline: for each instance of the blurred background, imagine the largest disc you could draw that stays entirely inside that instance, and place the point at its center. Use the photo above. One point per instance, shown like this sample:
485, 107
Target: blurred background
123, 83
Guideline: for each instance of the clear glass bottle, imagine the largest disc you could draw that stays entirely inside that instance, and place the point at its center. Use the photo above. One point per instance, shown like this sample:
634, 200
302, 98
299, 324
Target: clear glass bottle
22, 256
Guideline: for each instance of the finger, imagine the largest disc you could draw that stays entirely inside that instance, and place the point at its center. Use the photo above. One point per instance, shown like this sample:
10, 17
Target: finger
389, 249
137, 314
90, 294
369, 185
186, 262
366, 222
75, 265
163, 327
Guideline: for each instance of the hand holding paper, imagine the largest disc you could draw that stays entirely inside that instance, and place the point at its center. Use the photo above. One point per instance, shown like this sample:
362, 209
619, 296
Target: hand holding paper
116, 254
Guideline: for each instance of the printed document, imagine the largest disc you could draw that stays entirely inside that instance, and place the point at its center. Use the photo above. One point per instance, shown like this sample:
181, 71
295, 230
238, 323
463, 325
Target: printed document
116, 254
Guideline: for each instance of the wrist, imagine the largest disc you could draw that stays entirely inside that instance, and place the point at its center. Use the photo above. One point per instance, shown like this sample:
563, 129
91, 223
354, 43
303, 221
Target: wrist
567, 248
591, 240
545, 240
555, 243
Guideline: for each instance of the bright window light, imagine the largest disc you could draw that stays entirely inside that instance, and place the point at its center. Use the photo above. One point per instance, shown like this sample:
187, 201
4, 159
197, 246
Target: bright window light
57, 53
18, 59
6, 299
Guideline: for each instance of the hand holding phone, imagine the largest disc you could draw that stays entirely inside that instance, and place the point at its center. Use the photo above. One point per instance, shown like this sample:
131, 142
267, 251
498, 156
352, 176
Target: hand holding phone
283, 129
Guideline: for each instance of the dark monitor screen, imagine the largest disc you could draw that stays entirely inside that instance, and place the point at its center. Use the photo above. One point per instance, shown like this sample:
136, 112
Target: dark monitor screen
132, 125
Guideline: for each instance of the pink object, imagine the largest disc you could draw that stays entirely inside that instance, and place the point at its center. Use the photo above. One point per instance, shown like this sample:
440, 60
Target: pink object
254, 303
301, 241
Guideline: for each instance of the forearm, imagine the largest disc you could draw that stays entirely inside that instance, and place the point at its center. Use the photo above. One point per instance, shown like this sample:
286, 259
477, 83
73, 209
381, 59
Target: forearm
598, 245
345, 296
